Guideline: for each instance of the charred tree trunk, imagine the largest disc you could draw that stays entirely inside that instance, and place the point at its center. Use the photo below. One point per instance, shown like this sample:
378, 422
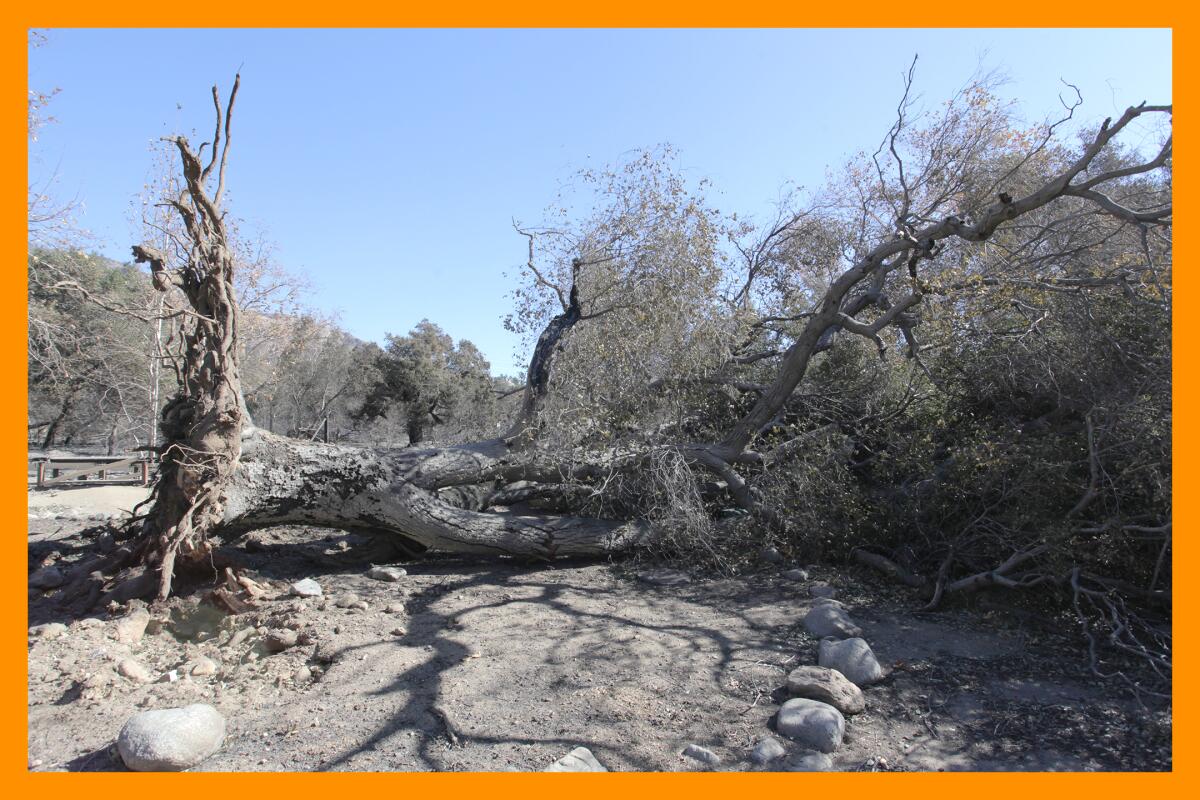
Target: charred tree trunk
202, 424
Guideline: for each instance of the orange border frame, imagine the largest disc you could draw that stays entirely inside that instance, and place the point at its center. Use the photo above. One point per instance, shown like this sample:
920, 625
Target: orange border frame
557, 13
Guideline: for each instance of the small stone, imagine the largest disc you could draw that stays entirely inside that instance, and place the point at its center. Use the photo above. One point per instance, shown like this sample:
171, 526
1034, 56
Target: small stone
170, 676
306, 588
134, 671
394, 608
767, 750
361, 605
386, 574
172, 739
796, 575
346, 600
810, 762
302, 675
853, 658
828, 686
132, 627
578, 760
47, 578
203, 666
327, 653
51, 630
812, 723
826, 619
398, 631
279, 640
702, 754
822, 590
95, 686
664, 577
239, 637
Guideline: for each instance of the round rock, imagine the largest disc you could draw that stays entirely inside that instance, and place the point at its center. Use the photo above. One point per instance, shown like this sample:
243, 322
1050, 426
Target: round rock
812, 723
796, 575
810, 762
134, 671
279, 640
171, 739
386, 574
767, 750
827, 619
306, 588
203, 666
822, 590
853, 658
578, 760
828, 686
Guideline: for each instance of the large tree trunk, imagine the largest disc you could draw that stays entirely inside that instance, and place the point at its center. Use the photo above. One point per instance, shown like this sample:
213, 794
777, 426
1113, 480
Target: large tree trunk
400, 492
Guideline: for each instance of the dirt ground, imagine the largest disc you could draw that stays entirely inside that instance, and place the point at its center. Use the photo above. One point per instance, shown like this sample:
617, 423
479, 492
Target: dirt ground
470, 665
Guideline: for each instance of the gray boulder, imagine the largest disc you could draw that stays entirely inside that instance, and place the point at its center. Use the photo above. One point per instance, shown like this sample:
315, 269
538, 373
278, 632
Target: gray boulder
827, 619
578, 760
822, 590
767, 750
796, 575
812, 723
810, 762
828, 686
853, 658
171, 739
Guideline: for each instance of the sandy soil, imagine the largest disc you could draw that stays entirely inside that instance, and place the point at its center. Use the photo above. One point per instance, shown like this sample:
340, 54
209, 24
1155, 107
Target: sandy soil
84, 502
499, 665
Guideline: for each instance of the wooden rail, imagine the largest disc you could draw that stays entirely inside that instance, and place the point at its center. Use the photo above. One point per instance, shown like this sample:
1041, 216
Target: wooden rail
70, 468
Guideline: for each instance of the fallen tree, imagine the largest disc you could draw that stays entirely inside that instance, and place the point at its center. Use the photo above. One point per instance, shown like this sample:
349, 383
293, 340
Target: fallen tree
220, 475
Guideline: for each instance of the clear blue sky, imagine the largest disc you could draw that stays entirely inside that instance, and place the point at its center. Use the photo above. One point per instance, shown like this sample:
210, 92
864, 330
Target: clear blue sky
388, 165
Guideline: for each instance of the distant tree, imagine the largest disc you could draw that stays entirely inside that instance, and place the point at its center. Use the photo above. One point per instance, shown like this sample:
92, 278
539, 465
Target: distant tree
90, 349
429, 380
